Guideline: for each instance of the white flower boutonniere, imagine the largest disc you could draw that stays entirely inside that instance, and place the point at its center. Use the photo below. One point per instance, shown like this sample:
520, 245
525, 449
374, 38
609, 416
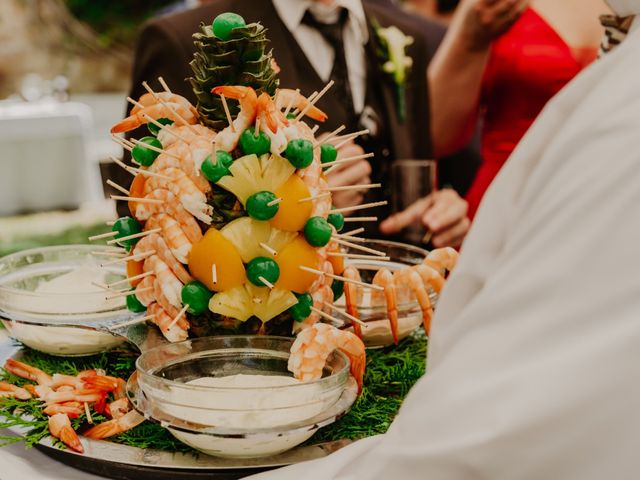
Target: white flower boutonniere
392, 43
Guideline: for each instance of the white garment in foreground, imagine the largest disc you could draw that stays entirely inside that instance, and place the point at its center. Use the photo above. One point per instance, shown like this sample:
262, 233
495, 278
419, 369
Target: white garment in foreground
534, 365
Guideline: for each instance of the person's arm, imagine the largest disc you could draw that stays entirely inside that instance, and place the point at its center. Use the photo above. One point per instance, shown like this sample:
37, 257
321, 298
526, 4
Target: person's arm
455, 74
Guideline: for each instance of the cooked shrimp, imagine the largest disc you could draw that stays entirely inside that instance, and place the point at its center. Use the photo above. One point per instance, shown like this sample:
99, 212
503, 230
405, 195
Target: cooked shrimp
184, 152
70, 409
411, 279
9, 390
144, 296
182, 187
60, 427
313, 345
321, 205
171, 207
353, 296
385, 279
162, 299
118, 408
169, 284
148, 100
158, 110
442, 259
175, 333
177, 132
155, 242
23, 370
88, 395
175, 238
430, 276
116, 426
288, 97
201, 148
228, 138
270, 121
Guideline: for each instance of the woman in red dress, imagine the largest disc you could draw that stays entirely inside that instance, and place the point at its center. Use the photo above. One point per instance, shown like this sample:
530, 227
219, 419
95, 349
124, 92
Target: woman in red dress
505, 59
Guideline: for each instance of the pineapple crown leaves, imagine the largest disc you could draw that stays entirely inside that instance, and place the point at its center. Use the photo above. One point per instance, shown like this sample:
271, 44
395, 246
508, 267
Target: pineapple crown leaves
241, 60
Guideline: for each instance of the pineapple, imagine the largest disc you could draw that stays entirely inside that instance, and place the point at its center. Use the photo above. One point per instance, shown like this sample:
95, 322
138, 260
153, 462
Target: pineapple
246, 234
250, 174
248, 300
241, 60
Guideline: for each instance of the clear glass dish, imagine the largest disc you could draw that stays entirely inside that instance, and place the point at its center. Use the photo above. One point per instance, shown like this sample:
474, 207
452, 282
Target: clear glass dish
245, 419
60, 317
373, 310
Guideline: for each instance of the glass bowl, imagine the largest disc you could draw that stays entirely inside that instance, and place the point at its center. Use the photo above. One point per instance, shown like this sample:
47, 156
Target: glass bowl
372, 310
48, 303
241, 418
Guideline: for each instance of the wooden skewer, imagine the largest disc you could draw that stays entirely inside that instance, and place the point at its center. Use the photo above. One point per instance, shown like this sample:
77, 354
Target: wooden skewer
363, 186
163, 127
125, 293
102, 286
345, 314
327, 316
117, 187
338, 277
111, 223
87, 412
355, 246
214, 273
164, 85
360, 219
227, 112
314, 197
309, 100
267, 282
328, 138
169, 107
290, 105
257, 300
135, 258
132, 322
214, 153
315, 100
269, 249
314, 130
352, 238
348, 159
359, 207
154, 149
135, 235
349, 137
103, 235
356, 256
180, 314
108, 254
138, 199
126, 280
275, 201
134, 171
427, 236
256, 131
351, 233
134, 102
121, 141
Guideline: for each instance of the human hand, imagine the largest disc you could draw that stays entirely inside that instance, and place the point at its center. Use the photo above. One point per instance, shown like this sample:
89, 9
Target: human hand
443, 214
484, 20
352, 173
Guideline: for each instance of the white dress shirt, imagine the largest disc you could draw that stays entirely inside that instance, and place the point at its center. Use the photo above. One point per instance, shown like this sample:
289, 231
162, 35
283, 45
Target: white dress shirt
319, 53
534, 360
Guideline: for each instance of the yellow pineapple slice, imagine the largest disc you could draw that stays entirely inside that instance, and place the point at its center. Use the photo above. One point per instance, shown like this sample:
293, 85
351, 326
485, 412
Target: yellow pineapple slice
246, 234
215, 248
243, 302
268, 303
292, 214
235, 303
250, 174
295, 254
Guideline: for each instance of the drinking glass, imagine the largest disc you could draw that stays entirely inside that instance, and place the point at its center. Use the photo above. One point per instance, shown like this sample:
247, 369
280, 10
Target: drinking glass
412, 180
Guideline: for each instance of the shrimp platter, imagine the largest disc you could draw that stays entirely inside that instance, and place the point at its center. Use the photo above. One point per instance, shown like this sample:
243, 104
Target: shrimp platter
232, 226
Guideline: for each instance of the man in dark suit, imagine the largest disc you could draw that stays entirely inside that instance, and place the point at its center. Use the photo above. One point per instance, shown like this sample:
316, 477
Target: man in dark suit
306, 56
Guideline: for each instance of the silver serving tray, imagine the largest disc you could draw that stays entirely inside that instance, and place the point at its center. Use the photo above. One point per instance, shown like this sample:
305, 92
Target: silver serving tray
122, 462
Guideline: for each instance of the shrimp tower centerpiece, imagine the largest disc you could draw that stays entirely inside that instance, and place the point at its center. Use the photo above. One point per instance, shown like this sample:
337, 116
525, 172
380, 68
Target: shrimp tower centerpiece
232, 227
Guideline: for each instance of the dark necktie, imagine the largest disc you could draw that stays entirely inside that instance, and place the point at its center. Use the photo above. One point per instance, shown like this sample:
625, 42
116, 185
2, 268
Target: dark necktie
333, 34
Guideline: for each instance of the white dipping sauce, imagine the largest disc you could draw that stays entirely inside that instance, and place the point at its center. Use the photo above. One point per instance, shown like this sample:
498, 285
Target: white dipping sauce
242, 407
70, 293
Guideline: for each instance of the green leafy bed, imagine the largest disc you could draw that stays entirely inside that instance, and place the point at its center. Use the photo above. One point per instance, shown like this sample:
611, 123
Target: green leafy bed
391, 372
